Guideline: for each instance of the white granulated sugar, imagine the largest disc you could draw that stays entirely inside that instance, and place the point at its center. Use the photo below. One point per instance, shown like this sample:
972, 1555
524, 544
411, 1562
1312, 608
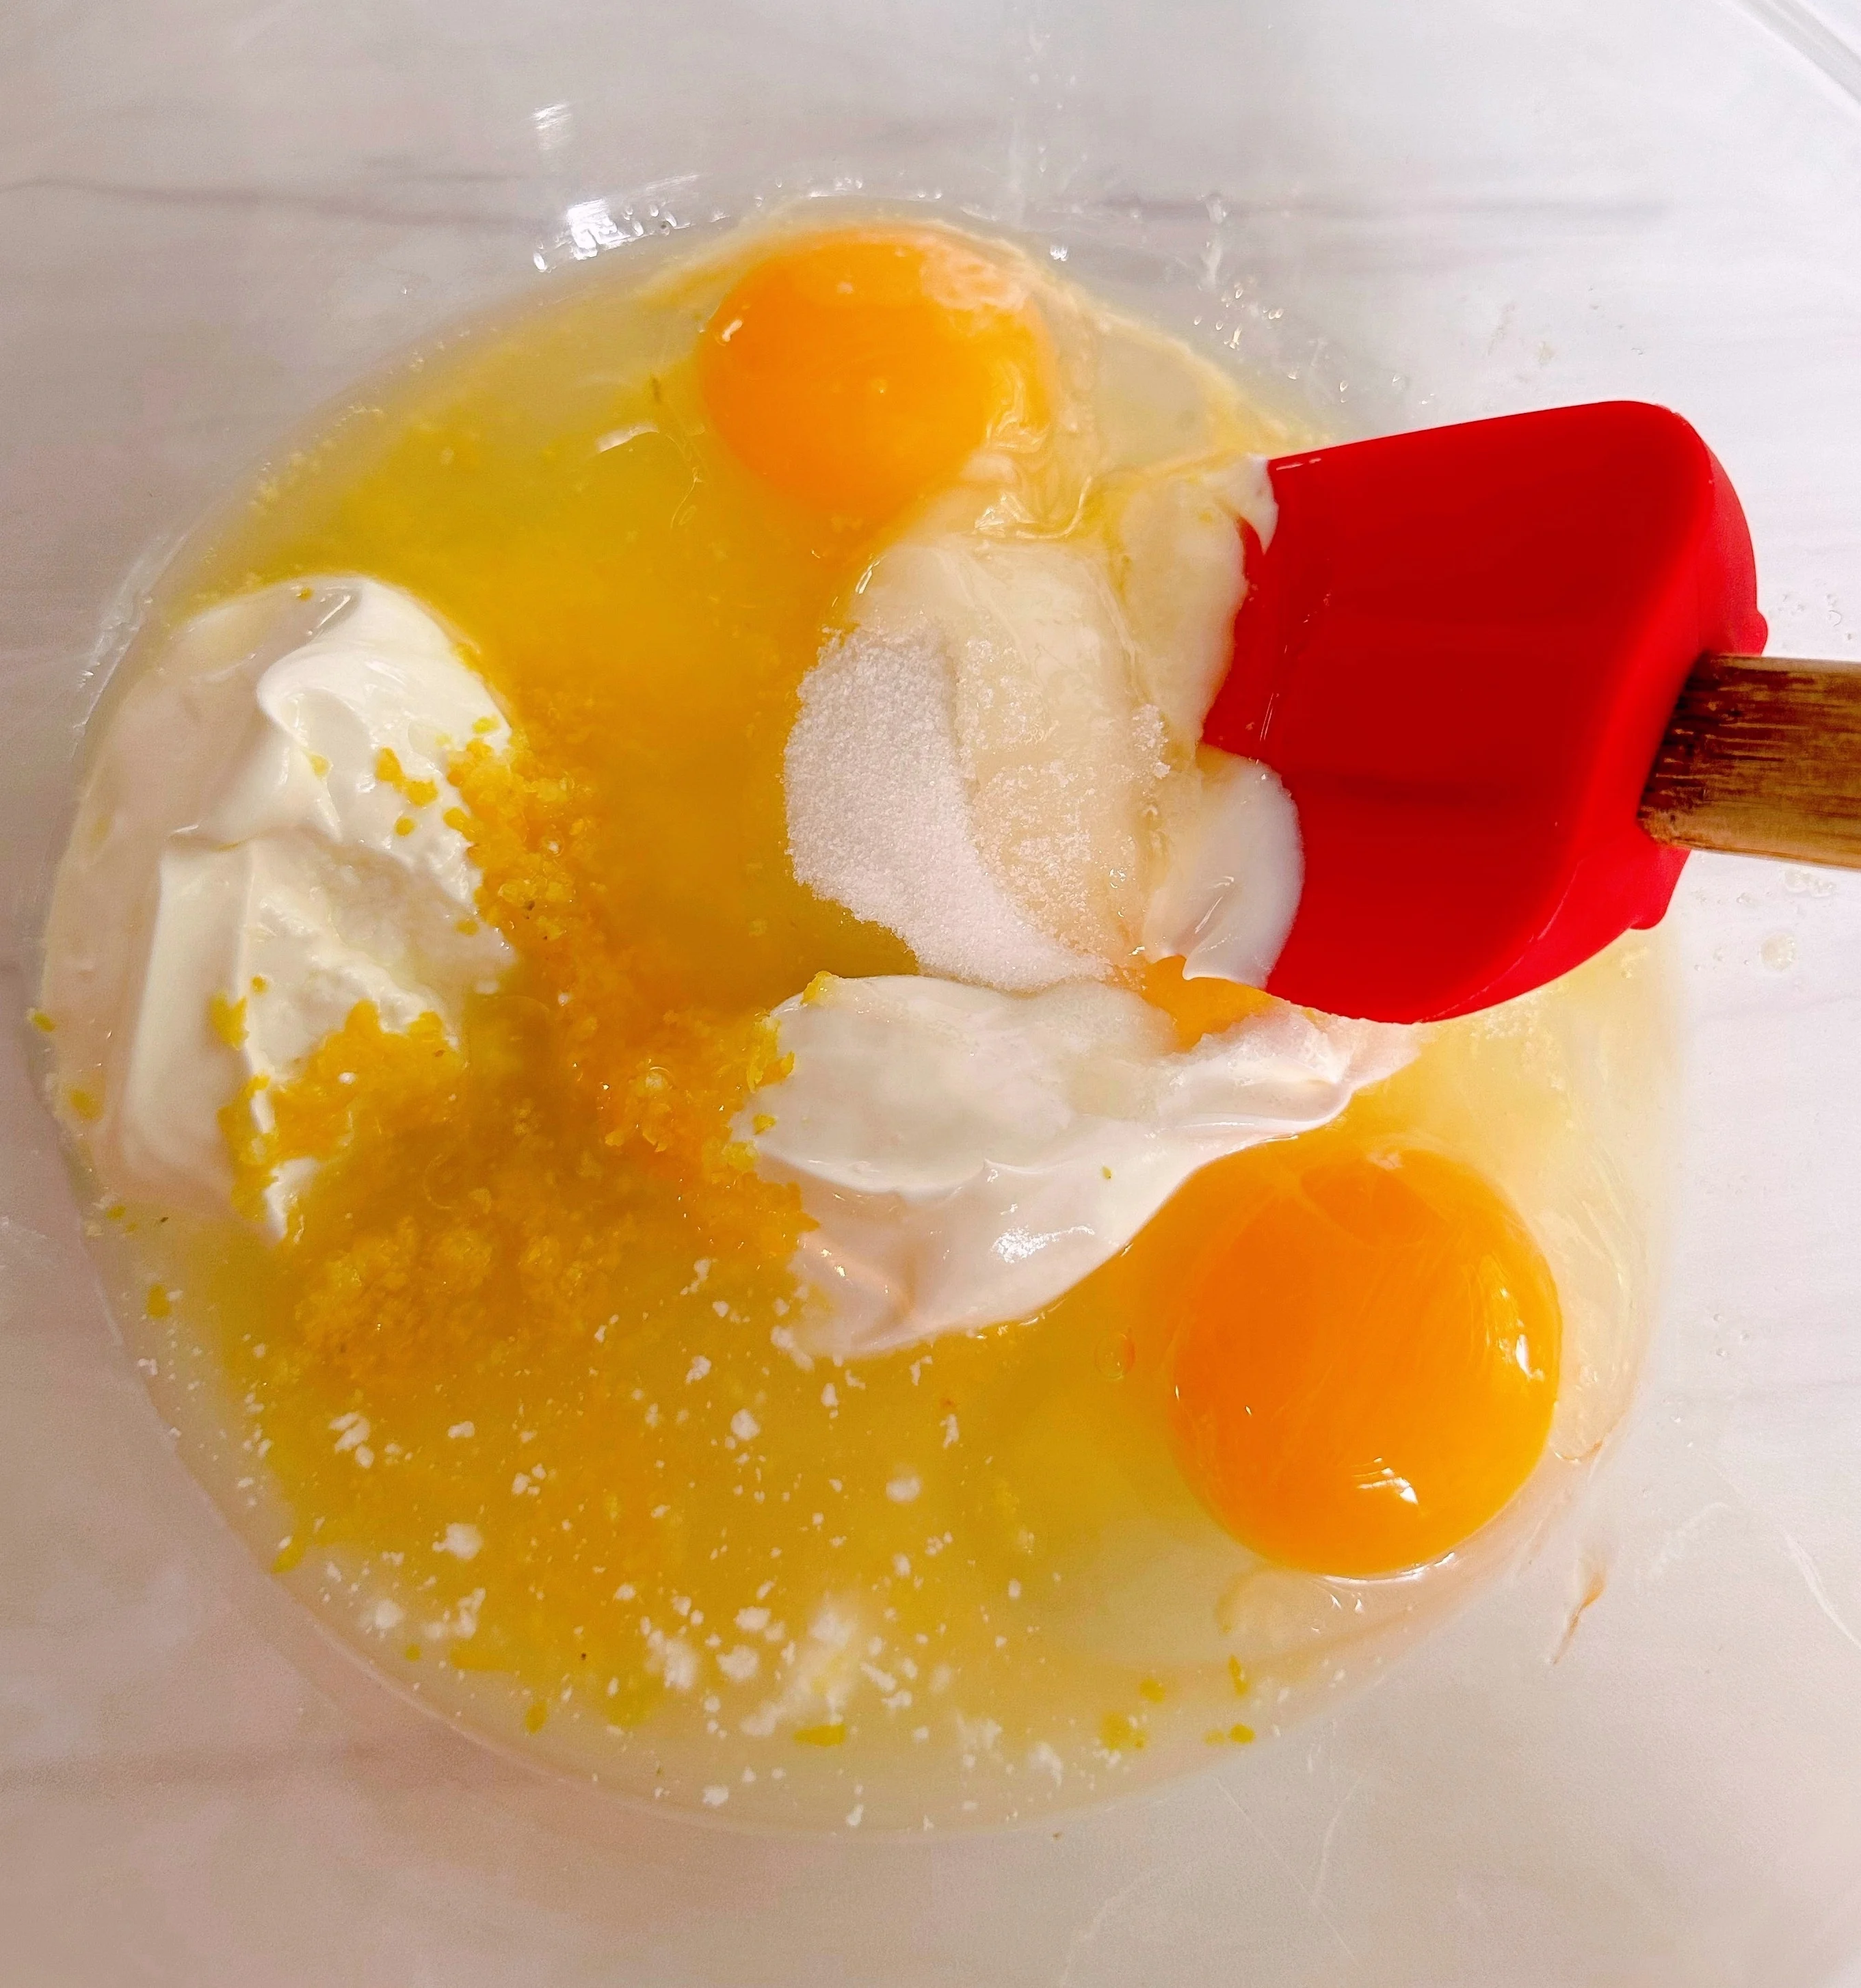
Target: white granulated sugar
1060, 753
879, 816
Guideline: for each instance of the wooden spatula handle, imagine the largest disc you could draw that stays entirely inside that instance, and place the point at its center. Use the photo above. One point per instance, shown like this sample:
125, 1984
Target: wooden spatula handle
1763, 758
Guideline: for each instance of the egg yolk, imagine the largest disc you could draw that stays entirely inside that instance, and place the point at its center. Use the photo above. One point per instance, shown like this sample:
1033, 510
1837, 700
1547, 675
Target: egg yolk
856, 371
1368, 1363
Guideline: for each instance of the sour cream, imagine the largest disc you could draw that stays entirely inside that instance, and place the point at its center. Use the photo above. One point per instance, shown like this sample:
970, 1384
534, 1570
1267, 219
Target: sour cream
262, 843
968, 1155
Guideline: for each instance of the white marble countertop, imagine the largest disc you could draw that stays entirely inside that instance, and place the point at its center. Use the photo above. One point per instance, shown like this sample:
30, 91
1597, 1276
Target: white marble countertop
215, 212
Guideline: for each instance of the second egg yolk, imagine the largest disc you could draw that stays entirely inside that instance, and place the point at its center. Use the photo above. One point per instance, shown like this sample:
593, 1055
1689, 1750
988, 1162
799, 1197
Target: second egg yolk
855, 372
1368, 1363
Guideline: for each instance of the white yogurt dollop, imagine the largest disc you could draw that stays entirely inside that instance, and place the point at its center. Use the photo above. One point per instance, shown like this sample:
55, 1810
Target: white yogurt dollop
246, 866
970, 1155
1230, 889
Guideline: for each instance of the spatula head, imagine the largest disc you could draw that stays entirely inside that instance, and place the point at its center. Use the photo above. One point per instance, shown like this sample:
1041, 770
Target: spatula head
1459, 650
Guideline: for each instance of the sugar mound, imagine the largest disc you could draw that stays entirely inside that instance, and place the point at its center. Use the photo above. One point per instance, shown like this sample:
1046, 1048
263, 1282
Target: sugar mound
1060, 748
880, 818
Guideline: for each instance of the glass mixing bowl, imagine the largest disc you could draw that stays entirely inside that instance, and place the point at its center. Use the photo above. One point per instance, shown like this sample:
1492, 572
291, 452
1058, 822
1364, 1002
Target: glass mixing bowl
1638, 1758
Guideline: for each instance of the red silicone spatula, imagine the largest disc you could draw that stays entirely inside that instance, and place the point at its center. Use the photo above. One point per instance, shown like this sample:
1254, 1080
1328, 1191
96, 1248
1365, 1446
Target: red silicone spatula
1508, 673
